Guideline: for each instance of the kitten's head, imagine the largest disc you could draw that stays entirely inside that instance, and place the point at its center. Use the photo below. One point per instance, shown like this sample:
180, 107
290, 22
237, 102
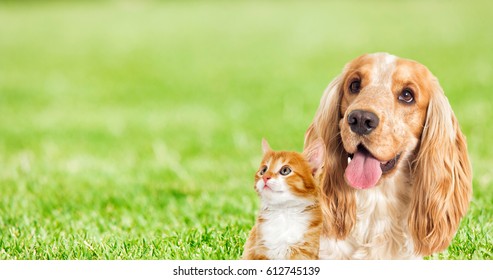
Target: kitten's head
288, 178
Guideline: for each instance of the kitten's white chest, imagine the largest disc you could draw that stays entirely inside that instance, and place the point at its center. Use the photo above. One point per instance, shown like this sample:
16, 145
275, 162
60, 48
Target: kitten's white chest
282, 229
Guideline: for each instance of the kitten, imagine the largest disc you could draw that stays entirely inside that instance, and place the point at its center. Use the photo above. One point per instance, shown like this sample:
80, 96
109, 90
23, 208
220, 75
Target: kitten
289, 222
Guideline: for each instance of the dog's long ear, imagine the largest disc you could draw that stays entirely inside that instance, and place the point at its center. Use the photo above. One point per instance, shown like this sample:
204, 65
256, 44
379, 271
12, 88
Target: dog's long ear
442, 178
338, 204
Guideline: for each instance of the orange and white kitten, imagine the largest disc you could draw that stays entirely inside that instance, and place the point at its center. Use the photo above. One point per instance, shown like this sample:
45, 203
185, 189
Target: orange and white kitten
289, 222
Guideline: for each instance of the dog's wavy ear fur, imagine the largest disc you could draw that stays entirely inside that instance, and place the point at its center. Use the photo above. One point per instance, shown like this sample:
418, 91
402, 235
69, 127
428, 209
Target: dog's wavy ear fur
442, 178
338, 203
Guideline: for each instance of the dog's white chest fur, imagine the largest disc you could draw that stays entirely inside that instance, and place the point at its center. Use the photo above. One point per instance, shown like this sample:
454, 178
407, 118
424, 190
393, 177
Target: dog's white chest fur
381, 230
283, 228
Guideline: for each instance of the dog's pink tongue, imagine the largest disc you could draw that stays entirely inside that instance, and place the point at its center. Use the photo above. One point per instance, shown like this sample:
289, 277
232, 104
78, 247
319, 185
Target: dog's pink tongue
363, 171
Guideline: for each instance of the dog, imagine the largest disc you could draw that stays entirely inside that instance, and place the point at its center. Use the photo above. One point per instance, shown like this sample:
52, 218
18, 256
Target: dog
397, 177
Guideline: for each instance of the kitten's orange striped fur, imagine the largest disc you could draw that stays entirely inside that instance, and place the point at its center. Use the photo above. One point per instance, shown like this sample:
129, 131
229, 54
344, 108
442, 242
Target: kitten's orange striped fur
289, 222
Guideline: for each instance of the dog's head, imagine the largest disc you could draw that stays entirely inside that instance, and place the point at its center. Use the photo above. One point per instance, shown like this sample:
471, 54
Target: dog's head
385, 115
382, 114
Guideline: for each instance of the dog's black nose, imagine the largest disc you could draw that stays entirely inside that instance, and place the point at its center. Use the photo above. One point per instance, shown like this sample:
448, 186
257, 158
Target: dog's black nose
362, 122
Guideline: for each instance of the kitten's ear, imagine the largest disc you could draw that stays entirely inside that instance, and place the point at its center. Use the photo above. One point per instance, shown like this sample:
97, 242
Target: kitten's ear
265, 146
314, 153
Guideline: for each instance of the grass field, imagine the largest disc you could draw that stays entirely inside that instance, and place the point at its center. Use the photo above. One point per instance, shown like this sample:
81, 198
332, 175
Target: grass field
131, 130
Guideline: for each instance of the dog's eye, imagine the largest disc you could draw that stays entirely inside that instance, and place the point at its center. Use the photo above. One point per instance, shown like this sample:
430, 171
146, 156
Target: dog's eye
263, 169
355, 86
407, 96
285, 170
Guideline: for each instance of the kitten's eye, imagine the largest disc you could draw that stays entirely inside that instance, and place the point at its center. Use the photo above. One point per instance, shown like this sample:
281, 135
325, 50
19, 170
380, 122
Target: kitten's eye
285, 170
407, 96
355, 86
263, 170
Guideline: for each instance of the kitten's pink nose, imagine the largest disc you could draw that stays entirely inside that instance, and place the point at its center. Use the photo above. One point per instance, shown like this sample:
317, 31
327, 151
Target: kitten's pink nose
266, 179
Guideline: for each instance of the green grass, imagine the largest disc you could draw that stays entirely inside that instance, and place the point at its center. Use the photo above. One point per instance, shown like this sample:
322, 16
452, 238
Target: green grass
132, 131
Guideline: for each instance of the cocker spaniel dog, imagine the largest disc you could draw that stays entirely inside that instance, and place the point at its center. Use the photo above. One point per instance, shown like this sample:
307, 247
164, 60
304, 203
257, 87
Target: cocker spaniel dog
397, 177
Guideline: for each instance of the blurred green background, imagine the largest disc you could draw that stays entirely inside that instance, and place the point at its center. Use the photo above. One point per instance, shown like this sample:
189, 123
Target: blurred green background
131, 129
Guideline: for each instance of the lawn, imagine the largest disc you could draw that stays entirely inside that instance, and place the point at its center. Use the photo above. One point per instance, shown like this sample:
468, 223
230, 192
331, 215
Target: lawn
132, 129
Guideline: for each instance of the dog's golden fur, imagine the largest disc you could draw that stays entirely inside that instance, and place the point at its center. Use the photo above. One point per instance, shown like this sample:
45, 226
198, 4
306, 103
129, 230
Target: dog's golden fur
415, 209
